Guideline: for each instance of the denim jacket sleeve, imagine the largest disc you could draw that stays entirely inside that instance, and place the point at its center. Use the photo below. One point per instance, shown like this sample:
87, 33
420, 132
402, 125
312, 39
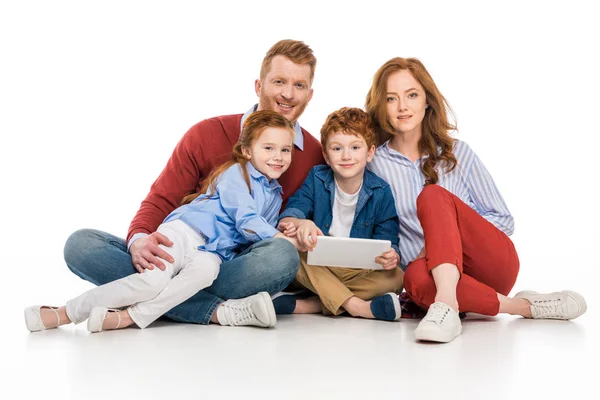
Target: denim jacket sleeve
387, 225
302, 203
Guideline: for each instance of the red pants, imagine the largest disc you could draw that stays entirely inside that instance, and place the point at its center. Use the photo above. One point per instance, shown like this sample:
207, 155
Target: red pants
457, 234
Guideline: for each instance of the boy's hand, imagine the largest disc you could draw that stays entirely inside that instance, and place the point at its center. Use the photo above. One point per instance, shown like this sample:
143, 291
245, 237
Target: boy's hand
307, 233
388, 260
288, 228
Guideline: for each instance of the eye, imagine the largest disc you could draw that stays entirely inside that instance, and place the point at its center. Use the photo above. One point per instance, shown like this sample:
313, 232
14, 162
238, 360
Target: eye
286, 150
336, 148
278, 81
389, 99
356, 147
300, 85
413, 95
268, 148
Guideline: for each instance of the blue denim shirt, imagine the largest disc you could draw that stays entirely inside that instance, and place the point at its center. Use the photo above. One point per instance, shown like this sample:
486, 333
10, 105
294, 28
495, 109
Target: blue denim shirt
375, 216
232, 217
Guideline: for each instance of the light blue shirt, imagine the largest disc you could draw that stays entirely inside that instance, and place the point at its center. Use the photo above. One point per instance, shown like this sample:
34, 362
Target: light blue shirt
233, 217
470, 181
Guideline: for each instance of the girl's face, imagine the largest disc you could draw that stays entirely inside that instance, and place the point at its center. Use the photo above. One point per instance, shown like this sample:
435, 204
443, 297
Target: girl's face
406, 103
271, 152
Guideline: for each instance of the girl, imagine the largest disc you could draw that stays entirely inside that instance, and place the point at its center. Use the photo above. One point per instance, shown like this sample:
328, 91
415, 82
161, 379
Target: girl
454, 224
237, 205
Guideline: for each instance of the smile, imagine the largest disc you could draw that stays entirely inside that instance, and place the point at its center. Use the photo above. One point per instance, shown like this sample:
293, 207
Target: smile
285, 106
275, 166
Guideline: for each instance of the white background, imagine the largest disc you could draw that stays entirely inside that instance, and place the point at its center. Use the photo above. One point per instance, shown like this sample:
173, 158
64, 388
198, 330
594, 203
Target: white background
95, 95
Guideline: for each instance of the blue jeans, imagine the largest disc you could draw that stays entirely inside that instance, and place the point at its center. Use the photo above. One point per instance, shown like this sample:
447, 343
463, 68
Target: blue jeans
267, 266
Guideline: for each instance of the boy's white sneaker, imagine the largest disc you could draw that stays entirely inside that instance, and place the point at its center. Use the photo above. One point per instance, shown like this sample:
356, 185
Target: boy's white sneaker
440, 324
256, 310
558, 305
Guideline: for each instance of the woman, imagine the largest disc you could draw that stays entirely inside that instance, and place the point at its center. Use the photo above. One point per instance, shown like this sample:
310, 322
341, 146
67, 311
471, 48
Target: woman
454, 224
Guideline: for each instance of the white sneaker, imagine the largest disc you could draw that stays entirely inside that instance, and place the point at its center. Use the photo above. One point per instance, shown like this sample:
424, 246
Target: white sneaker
256, 310
558, 305
441, 324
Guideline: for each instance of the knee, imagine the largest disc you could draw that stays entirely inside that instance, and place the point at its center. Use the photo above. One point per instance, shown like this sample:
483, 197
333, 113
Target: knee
153, 281
77, 248
282, 255
431, 193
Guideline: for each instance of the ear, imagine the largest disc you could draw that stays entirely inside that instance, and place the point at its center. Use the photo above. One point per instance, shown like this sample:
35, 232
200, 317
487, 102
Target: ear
257, 87
326, 157
371, 153
310, 94
246, 153
426, 106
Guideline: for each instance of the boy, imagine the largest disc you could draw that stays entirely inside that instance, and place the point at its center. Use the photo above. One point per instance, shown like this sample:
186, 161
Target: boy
344, 199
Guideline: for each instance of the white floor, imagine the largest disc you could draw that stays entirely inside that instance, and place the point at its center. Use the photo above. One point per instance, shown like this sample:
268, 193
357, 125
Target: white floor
305, 357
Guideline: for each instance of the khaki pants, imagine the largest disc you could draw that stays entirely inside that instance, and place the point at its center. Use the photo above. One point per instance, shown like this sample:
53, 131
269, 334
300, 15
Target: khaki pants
335, 285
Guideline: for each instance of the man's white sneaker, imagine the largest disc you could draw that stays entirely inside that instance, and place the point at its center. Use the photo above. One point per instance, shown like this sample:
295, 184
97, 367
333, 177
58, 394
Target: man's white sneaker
256, 310
558, 305
441, 324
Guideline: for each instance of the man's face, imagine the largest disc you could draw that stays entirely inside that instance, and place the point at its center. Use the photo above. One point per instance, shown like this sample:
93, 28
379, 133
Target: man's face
286, 88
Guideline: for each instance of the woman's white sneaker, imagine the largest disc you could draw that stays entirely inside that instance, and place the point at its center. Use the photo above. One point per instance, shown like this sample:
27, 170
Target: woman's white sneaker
558, 305
440, 324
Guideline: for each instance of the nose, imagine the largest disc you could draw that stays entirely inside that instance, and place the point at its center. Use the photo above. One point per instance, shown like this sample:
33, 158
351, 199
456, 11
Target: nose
345, 154
278, 155
401, 104
287, 91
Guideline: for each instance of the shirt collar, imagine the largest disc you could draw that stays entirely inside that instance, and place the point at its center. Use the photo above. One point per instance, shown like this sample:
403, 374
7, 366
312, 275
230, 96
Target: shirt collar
298, 137
258, 176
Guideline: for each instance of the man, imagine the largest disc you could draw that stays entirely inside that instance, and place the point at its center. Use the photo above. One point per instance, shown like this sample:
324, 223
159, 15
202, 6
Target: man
284, 86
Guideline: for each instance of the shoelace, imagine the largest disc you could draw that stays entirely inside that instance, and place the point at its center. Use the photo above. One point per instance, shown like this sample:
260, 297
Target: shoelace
436, 314
240, 313
550, 308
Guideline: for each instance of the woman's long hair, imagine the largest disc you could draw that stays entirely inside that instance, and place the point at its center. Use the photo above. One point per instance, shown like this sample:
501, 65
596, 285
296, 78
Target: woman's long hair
253, 127
435, 125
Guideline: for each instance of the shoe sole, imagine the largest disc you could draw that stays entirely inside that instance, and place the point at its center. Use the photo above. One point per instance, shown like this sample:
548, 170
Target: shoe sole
269, 308
425, 335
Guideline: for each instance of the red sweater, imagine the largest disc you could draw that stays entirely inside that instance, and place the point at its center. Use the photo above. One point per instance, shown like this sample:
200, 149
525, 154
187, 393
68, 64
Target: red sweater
206, 145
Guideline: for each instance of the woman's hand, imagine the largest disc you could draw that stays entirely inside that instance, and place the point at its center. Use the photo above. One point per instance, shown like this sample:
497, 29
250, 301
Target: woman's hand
388, 260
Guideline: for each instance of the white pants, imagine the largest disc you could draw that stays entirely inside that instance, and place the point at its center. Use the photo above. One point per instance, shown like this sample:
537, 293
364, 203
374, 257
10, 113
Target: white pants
151, 294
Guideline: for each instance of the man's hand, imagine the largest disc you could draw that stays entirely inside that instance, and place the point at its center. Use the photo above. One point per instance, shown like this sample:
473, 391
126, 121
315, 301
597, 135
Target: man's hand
145, 252
388, 260
307, 234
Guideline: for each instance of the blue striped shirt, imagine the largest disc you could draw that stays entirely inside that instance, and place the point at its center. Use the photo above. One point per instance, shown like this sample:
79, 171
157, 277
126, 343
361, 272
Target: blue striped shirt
470, 181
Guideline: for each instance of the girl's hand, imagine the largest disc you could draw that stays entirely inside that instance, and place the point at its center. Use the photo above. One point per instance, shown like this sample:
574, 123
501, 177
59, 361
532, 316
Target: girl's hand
388, 260
307, 233
288, 228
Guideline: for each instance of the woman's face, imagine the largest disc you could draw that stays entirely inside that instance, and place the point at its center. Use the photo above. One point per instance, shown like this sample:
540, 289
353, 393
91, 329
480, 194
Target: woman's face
406, 103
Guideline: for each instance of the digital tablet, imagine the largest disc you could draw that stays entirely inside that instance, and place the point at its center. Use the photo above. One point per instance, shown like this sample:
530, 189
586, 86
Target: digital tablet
333, 251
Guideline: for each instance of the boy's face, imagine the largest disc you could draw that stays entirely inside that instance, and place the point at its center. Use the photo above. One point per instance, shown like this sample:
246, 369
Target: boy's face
347, 154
